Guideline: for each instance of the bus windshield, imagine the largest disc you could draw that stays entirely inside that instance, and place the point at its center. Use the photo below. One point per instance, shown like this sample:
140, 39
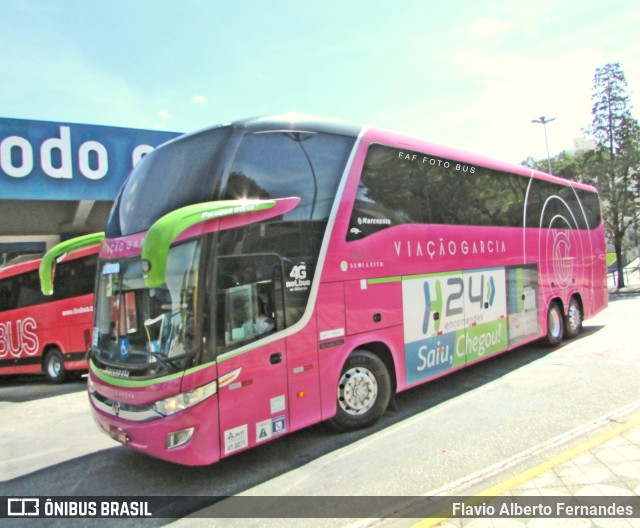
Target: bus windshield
147, 330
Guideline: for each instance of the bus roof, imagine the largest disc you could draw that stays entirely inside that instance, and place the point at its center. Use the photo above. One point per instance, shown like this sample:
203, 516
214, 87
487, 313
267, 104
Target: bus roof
292, 121
16, 267
372, 134
34, 264
299, 121
312, 123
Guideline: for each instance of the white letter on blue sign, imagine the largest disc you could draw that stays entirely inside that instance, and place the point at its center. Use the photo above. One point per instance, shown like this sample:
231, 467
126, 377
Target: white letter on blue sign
63, 144
83, 160
140, 152
7, 145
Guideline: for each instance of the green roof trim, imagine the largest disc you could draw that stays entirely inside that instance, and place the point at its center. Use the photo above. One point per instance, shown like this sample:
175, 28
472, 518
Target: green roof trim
157, 241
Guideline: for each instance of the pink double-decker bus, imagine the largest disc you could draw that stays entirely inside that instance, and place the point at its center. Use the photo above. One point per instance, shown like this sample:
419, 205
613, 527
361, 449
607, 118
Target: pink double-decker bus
47, 334
265, 275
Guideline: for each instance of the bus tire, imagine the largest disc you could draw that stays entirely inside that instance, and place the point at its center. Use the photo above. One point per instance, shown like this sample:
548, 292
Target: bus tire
555, 325
573, 319
53, 366
363, 392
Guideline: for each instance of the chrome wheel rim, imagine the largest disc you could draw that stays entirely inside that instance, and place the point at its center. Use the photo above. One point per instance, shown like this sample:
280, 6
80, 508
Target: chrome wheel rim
575, 318
357, 391
555, 323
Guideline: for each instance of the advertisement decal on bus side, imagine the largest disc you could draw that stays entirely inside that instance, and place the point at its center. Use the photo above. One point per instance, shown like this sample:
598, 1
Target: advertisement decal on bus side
453, 319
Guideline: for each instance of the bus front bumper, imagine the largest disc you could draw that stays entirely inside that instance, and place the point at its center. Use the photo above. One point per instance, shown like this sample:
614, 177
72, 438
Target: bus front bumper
189, 437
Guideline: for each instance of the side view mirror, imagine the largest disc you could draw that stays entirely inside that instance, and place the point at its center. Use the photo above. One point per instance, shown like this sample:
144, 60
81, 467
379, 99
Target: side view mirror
196, 219
47, 264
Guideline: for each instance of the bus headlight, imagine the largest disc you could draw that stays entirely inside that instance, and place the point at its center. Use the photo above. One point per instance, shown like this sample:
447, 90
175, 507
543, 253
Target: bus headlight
185, 400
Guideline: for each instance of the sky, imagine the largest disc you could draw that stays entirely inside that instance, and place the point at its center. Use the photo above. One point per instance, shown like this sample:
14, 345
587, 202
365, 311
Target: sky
465, 73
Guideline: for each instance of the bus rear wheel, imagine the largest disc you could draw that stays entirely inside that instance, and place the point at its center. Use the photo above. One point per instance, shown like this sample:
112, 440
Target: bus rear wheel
555, 325
573, 319
363, 392
54, 366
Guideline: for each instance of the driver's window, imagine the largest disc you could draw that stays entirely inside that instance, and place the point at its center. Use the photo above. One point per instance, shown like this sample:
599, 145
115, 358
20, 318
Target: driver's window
249, 299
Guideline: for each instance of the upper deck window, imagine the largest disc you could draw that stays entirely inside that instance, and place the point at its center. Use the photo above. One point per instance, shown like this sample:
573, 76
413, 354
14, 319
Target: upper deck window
404, 187
279, 165
288, 163
180, 173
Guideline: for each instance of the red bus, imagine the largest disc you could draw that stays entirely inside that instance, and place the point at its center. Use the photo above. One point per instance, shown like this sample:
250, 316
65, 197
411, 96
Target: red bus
49, 334
259, 277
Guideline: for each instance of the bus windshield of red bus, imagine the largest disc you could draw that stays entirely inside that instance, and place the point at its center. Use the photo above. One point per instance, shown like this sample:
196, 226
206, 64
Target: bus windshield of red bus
147, 330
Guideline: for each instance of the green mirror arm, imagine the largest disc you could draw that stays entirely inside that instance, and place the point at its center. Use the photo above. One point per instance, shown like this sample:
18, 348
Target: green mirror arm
157, 241
51, 256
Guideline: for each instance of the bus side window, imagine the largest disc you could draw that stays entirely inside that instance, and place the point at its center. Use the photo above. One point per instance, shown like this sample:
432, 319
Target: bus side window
247, 290
8, 294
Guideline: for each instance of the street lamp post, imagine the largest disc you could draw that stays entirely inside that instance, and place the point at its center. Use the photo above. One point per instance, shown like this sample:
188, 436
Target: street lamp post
543, 120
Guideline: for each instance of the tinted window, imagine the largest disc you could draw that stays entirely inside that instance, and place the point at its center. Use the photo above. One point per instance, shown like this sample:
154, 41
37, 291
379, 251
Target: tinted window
75, 277
553, 205
7, 294
21, 290
279, 165
400, 187
72, 278
591, 205
180, 173
249, 299
282, 164
29, 292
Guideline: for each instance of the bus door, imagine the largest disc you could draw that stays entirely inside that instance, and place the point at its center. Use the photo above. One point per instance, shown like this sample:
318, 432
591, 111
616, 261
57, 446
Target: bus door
252, 376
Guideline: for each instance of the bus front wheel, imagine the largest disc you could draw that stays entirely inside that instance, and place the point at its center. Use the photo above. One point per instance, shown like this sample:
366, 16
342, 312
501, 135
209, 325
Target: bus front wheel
54, 366
555, 325
364, 391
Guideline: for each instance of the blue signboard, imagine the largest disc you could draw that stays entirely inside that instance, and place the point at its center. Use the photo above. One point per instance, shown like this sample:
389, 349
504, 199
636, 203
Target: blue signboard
43, 160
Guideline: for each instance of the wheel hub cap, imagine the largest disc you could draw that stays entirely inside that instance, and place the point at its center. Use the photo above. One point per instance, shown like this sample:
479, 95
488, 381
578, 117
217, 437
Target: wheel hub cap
357, 391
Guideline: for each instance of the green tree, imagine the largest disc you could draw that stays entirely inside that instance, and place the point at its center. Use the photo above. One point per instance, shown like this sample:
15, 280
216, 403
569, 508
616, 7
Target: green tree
613, 166
567, 165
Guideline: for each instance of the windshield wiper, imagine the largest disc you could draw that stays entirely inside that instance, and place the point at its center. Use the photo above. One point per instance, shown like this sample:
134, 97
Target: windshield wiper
156, 357
165, 361
169, 364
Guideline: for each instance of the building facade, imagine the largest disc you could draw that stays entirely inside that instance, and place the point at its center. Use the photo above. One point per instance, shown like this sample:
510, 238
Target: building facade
59, 180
